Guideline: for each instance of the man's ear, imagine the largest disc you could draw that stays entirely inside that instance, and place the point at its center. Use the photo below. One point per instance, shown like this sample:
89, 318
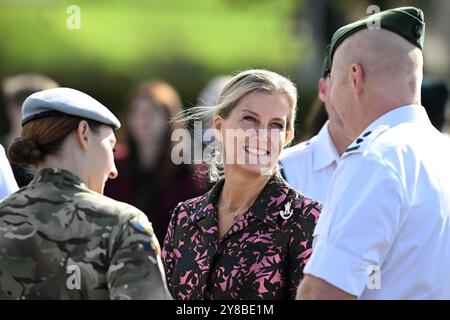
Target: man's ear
357, 78
82, 134
322, 89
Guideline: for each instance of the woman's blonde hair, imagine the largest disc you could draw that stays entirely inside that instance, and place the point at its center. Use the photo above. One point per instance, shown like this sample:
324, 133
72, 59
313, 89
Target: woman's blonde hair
239, 86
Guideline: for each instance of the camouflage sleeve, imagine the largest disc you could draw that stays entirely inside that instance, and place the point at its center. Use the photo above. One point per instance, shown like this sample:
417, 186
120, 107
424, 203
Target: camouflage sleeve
135, 270
300, 245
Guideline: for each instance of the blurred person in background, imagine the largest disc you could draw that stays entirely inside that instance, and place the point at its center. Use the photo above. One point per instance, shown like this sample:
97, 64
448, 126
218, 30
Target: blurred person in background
434, 100
208, 98
15, 90
148, 178
309, 166
315, 120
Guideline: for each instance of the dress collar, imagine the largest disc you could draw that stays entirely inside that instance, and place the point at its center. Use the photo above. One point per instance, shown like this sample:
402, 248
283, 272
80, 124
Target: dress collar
266, 207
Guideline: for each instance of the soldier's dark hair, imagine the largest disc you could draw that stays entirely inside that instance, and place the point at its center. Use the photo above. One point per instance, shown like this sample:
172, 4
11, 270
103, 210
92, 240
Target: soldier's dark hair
44, 136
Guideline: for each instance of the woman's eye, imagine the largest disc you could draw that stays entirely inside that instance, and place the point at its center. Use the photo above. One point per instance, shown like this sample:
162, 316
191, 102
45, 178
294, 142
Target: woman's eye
249, 118
278, 126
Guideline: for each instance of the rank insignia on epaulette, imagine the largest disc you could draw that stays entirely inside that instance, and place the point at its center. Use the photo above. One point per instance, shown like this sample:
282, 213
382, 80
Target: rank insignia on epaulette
352, 149
364, 139
357, 144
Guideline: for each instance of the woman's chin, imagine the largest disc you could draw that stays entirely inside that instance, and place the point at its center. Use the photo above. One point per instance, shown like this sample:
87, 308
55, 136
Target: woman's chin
256, 169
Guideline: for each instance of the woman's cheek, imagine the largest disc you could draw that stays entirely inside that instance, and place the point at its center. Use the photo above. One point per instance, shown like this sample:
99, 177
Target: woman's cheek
276, 142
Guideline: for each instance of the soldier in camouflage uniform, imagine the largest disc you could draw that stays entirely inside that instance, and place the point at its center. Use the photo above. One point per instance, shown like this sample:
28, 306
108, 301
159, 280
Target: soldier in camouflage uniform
61, 240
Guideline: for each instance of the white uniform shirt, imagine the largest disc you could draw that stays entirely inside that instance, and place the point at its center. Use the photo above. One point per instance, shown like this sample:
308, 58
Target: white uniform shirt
308, 166
447, 136
388, 213
8, 184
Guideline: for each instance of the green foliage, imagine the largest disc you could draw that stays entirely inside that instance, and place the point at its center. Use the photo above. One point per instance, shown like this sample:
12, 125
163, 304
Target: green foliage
122, 42
122, 36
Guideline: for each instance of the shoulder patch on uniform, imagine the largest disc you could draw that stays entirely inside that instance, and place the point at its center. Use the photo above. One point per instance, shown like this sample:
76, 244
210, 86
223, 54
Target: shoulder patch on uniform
142, 225
361, 143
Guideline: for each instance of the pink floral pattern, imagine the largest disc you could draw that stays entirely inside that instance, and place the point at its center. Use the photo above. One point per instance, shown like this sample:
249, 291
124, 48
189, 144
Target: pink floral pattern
262, 256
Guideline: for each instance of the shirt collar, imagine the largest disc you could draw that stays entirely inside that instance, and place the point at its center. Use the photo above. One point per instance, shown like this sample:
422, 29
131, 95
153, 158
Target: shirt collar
325, 152
408, 113
58, 176
266, 207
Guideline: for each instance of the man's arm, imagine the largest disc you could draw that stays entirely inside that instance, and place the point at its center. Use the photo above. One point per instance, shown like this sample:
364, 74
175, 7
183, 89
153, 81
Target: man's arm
313, 288
355, 230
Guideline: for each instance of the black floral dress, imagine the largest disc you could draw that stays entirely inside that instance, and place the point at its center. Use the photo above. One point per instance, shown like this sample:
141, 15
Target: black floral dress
262, 256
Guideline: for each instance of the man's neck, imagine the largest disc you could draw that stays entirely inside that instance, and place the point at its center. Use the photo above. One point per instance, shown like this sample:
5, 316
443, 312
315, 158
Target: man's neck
370, 112
340, 141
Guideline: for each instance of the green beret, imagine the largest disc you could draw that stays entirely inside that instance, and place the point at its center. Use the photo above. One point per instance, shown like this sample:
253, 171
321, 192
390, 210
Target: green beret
67, 101
407, 22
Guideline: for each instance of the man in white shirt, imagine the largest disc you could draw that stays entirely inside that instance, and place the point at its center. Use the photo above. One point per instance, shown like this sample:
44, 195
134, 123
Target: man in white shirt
8, 184
385, 229
309, 166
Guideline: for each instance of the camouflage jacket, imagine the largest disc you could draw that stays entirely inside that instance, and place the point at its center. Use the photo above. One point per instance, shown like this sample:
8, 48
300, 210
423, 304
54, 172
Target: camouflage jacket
60, 240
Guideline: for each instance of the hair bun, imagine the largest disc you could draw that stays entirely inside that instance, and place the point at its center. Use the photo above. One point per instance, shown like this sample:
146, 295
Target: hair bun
24, 151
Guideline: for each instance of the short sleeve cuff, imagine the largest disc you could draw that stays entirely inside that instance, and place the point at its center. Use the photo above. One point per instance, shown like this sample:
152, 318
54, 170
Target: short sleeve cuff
338, 268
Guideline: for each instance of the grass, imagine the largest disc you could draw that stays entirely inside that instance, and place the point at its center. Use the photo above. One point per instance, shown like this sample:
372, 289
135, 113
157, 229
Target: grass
124, 36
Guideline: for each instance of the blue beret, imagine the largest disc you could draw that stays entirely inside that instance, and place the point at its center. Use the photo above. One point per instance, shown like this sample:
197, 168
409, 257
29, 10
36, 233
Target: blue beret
67, 101
407, 22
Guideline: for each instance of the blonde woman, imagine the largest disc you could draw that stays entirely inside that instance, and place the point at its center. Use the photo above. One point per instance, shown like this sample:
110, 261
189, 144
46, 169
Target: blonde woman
250, 236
